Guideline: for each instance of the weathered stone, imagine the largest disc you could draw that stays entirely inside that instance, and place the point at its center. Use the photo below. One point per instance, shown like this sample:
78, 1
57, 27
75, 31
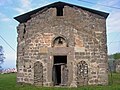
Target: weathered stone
25, 70
77, 49
20, 75
29, 70
26, 79
93, 72
43, 50
65, 47
117, 66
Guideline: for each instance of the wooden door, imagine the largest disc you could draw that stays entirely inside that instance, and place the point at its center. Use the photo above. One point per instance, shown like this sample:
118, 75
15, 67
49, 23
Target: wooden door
64, 75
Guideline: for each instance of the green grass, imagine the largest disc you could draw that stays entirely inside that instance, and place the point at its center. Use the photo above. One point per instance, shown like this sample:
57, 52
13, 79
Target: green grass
8, 82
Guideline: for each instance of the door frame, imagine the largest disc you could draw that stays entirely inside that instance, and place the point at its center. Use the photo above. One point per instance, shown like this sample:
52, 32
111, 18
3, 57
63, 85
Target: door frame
61, 51
62, 60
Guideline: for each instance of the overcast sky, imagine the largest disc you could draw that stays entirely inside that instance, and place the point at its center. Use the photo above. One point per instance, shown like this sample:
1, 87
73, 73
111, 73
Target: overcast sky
11, 8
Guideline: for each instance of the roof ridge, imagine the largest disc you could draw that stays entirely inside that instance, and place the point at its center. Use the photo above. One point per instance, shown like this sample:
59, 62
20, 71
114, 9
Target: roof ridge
26, 16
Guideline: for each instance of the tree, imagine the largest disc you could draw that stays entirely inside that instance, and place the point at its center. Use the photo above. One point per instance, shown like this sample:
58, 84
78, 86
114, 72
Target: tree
1, 57
116, 56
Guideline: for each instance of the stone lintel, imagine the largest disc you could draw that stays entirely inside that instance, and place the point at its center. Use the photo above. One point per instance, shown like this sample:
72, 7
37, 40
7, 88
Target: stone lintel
79, 49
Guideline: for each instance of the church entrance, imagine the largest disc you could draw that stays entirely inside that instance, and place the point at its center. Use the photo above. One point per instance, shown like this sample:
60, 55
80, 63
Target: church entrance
60, 71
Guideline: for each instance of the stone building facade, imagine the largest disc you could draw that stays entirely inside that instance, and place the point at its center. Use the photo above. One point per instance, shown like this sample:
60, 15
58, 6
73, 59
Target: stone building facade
62, 44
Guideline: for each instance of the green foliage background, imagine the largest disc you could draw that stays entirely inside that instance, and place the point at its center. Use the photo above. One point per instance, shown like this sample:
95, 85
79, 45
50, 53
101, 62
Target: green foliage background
116, 56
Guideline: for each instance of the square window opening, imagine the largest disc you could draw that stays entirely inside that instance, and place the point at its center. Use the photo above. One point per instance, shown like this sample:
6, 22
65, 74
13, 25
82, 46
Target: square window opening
59, 11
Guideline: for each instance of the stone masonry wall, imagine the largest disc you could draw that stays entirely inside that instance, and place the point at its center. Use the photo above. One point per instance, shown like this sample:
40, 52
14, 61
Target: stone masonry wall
83, 30
117, 65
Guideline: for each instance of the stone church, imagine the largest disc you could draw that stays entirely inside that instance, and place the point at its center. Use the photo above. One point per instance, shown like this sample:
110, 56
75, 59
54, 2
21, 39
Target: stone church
62, 44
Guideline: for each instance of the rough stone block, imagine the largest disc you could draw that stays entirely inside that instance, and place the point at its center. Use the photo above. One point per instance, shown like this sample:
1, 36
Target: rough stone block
81, 49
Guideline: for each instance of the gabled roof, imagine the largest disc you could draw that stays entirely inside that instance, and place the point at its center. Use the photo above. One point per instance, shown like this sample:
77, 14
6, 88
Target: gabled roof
24, 17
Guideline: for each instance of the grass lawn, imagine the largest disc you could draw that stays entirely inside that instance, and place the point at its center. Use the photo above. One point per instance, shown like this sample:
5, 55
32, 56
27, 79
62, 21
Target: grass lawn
8, 82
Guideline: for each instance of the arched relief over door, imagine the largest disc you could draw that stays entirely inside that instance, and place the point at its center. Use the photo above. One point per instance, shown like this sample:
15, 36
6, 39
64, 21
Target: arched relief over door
82, 73
38, 73
60, 42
